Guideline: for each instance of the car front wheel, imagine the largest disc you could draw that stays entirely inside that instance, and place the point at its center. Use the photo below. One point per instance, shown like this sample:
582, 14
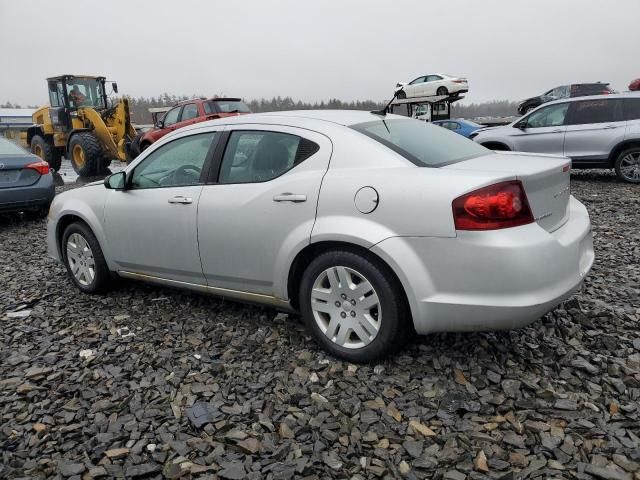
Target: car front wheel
83, 259
628, 165
353, 306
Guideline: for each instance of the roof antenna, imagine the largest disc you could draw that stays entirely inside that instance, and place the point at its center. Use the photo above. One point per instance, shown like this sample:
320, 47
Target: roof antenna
383, 112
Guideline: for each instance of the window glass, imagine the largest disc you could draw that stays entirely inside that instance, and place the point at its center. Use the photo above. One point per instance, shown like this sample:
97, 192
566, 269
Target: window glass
208, 108
593, 111
433, 78
177, 163
7, 147
418, 80
551, 116
171, 116
189, 111
453, 126
632, 108
54, 99
256, 156
85, 92
230, 106
421, 143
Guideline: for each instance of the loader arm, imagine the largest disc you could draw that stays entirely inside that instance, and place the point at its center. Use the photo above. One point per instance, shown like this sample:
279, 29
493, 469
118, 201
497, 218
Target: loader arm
114, 129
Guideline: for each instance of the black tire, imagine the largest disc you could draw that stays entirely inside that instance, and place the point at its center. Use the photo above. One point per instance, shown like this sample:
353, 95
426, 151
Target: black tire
134, 148
630, 174
91, 151
394, 314
442, 91
402, 95
44, 149
102, 277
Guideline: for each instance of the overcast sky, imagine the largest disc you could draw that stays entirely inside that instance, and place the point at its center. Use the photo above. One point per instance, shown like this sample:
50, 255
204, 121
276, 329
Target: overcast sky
317, 49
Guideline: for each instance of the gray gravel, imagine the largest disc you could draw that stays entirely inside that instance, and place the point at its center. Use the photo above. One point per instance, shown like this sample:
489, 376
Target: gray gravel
148, 382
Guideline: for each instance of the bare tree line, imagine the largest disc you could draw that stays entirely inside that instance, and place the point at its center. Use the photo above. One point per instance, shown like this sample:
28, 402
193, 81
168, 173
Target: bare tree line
140, 106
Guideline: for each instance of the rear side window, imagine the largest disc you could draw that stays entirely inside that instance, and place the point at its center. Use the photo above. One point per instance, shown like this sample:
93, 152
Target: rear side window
189, 112
421, 143
257, 156
227, 106
594, 111
632, 108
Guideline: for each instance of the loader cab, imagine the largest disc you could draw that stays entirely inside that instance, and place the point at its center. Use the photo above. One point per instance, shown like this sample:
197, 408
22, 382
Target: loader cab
67, 93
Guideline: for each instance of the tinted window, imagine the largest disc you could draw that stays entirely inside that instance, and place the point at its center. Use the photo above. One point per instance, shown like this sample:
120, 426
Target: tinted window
433, 78
593, 111
177, 163
172, 116
230, 106
632, 108
9, 148
418, 80
423, 144
189, 111
551, 116
256, 156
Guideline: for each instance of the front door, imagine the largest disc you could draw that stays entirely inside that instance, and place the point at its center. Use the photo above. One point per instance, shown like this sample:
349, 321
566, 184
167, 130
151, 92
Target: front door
151, 226
543, 130
262, 206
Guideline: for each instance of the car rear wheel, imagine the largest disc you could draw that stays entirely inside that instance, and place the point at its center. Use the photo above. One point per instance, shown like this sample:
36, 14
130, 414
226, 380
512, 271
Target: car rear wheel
83, 259
442, 91
353, 307
402, 94
627, 165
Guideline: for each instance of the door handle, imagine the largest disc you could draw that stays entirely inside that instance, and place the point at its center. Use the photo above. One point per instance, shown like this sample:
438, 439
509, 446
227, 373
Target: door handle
609, 127
181, 200
556, 131
290, 197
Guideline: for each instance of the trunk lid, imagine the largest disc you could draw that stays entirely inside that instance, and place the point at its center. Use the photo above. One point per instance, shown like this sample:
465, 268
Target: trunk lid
545, 179
12, 171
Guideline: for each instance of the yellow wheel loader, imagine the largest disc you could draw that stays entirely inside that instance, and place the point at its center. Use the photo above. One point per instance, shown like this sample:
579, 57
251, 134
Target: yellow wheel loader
80, 125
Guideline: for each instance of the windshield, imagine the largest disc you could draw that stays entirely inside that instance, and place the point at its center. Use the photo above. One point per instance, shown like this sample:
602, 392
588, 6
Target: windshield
85, 92
7, 147
230, 106
421, 143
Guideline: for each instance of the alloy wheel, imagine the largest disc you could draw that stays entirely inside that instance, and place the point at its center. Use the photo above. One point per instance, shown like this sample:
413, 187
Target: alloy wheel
630, 166
80, 259
346, 307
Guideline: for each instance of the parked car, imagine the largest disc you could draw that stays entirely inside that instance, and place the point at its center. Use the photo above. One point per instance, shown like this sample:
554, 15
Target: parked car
595, 132
26, 182
186, 113
370, 226
564, 91
430, 85
459, 125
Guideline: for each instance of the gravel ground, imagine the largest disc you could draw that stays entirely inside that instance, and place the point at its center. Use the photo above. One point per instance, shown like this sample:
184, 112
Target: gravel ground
155, 382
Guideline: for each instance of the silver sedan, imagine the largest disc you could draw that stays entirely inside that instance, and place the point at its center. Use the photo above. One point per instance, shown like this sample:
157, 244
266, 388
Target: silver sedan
372, 227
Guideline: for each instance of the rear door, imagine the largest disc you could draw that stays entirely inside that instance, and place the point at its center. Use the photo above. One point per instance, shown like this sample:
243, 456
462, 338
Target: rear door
260, 205
594, 128
632, 116
189, 115
432, 84
543, 130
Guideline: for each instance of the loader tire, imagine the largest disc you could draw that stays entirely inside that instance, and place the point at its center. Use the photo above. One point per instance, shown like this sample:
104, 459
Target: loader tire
46, 151
85, 153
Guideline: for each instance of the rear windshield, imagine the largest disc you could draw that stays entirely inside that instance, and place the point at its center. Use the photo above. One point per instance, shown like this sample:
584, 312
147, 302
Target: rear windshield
9, 148
421, 143
228, 106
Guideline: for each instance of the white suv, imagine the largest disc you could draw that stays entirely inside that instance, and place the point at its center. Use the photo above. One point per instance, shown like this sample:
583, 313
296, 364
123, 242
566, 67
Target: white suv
600, 131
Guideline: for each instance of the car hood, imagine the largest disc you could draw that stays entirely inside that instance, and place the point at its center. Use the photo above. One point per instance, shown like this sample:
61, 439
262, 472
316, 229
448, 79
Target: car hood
488, 129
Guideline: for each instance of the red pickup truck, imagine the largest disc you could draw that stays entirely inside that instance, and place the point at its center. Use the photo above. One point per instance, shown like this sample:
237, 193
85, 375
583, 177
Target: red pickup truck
186, 113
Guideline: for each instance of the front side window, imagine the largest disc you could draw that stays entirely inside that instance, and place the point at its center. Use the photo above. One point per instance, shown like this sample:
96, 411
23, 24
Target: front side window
174, 164
189, 111
421, 143
85, 92
418, 80
632, 108
257, 156
594, 111
171, 116
551, 116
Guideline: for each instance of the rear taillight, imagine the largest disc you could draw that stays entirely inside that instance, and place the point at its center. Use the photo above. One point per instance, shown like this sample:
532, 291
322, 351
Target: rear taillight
41, 167
459, 81
502, 205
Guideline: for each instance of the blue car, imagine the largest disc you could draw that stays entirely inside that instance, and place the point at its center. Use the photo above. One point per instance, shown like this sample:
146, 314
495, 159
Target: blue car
458, 125
26, 181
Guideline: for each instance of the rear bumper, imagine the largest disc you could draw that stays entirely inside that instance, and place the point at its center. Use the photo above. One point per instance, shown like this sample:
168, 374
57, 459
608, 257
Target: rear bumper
31, 197
491, 280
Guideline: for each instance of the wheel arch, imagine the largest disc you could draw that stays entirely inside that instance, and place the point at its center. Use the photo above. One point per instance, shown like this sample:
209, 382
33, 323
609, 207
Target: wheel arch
67, 219
619, 148
33, 131
305, 256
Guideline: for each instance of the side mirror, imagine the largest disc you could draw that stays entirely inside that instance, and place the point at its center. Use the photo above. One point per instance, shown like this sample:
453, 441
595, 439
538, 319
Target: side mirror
116, 181
160, 124
114, 85
521, 125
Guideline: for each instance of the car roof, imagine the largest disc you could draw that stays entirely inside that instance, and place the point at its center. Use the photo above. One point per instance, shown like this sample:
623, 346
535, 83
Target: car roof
595, 97
204, 99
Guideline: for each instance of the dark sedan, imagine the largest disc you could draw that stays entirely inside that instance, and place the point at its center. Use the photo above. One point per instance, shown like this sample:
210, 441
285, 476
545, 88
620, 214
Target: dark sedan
26, 182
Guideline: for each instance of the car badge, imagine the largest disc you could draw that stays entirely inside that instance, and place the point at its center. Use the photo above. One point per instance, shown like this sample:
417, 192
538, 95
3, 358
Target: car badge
1, 166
